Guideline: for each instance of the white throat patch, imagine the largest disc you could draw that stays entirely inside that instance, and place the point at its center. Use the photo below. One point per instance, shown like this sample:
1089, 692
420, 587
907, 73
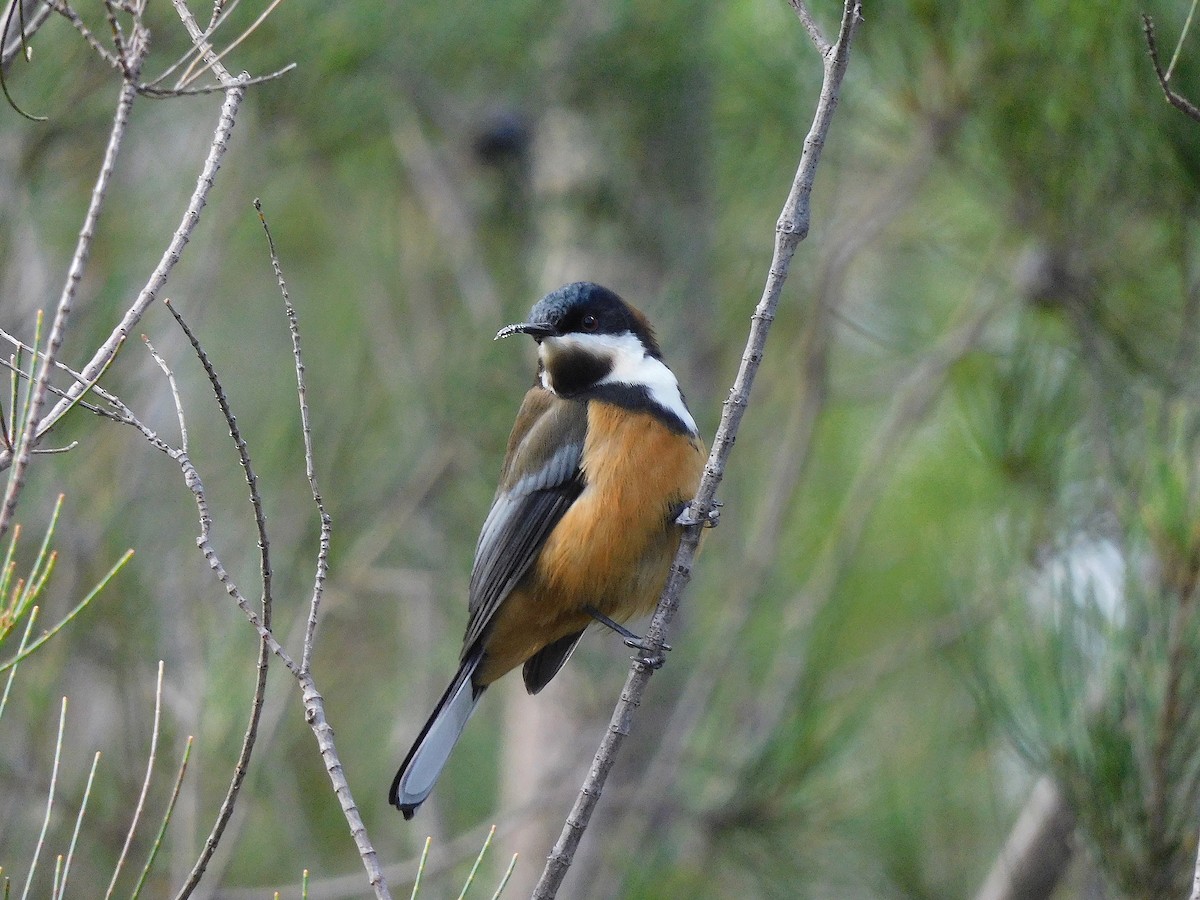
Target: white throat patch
631, 365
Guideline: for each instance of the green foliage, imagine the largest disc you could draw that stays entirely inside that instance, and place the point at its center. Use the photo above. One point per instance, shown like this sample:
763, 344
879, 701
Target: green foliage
1090, 668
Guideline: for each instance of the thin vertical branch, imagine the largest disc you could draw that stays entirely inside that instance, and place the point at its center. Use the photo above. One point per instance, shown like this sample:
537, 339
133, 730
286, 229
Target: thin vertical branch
28, 437
141, 802
41, 841
1187, 26
309, 461
87, 792
166, 820
242, 765
791, 230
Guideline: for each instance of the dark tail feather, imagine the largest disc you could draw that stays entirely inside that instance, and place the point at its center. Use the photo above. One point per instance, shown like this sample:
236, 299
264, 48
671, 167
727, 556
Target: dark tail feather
544, 664
429, 753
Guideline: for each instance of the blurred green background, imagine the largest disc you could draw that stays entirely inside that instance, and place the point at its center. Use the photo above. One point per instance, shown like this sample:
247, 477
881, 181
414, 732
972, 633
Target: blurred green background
960, 543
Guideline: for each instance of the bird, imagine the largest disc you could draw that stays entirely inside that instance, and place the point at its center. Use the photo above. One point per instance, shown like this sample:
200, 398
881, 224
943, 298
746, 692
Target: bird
603, 458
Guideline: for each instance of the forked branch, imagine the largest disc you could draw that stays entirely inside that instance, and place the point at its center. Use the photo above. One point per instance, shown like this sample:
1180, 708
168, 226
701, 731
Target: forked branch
1181, 103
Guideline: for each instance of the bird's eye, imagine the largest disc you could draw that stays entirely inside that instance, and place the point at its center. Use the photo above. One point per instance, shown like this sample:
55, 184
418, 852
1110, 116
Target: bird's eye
588, 323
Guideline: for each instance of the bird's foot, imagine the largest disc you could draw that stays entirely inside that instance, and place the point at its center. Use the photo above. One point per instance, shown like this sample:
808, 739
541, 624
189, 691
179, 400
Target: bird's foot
688, 515
633, 641
654, 662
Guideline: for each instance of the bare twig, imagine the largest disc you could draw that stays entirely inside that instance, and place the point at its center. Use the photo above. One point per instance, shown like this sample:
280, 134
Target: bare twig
200, 41
220, 15
241, 766
29, 436
1178, 101
192, 479
811, 26
795, 445
68, 13
90, 386
791, 230
314, 706
19, 44
59, 392
213, 59
314, 714
171, 255
28, 16
157, 93
309, 463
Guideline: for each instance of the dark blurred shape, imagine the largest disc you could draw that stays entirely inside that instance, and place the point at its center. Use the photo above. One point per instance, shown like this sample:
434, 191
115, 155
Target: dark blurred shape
503, 137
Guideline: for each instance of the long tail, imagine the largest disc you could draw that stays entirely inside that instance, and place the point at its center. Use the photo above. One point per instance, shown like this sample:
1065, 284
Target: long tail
428, 755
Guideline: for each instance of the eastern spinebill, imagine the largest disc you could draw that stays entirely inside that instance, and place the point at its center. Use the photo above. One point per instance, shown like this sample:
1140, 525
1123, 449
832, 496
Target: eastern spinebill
601, 460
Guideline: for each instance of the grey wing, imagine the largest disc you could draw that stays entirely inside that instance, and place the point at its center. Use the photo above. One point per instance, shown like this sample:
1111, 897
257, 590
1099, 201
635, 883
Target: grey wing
522, 516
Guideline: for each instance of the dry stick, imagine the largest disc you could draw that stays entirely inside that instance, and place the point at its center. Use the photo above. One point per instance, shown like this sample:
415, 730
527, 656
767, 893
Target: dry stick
59, 392
314, 704
242, 765
191, 478
89, 38
157, 93
1181, 103
191, 217
32, 15
213, 61
792, 228
309, 462
30, 432
220, 16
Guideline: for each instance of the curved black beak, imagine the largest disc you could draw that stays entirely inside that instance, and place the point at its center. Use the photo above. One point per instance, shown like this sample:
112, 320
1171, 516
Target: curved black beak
536, 330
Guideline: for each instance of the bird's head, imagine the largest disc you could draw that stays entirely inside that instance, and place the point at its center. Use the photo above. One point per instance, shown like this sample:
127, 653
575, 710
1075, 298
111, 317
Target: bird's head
587, 315
591, 343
